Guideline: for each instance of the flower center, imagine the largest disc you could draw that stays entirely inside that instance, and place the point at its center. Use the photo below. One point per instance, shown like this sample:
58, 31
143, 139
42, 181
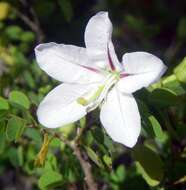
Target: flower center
95, 97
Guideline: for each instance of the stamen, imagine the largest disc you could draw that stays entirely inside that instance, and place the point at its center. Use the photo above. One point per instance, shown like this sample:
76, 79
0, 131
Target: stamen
84, 102
97, 93
92, 99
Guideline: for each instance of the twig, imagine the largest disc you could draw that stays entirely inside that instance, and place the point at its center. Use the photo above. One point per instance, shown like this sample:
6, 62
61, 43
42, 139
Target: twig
34, 24
80, 131
84, 164
86, 168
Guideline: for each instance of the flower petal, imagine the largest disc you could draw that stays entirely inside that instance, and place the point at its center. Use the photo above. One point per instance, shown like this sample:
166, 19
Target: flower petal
60, 106
142, 62
120, 118
143, 69
98, 33
98, 42
66, 63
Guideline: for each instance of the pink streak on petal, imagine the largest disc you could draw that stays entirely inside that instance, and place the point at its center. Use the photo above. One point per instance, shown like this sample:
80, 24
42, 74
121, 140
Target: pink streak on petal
123, 75
110, 61
91, 69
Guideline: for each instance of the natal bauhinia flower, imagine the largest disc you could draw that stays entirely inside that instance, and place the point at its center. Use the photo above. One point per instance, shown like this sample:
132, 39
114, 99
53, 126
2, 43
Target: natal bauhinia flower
92, 77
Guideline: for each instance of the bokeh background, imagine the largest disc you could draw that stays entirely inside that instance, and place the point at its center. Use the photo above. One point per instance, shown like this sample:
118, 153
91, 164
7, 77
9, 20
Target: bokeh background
159, 159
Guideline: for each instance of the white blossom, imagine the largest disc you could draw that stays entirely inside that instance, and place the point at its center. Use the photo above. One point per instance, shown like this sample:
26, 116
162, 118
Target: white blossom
92, 77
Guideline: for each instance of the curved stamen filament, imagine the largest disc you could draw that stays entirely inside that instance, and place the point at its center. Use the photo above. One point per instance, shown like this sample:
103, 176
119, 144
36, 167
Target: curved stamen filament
93, 100
83, 101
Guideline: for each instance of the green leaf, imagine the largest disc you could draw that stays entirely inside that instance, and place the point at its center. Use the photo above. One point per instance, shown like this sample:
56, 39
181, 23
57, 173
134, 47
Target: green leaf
51, 162
20, 155
50, 179
121, 173
93, 156
151, 144
71, 176
148, 179
107, 160
14, 32
147, 128
66, 8
13, 156
29, 79
163, 97
20, 99
108, 143
34, 134
67, 130
149, 164
156, 127
82, 122
2, 126
88, 138
98, 134
180, 71
27, 37
118, 176
55, 143
171, 82
15, 128
3, 104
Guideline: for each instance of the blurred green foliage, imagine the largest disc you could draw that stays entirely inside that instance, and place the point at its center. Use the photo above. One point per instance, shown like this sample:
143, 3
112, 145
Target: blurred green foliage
158, 161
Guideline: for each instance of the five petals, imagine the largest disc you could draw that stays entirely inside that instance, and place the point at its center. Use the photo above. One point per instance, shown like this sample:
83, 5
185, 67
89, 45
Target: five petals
84, 70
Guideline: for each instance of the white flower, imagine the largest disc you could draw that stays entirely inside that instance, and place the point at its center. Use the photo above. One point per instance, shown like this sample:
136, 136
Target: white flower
93, 76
